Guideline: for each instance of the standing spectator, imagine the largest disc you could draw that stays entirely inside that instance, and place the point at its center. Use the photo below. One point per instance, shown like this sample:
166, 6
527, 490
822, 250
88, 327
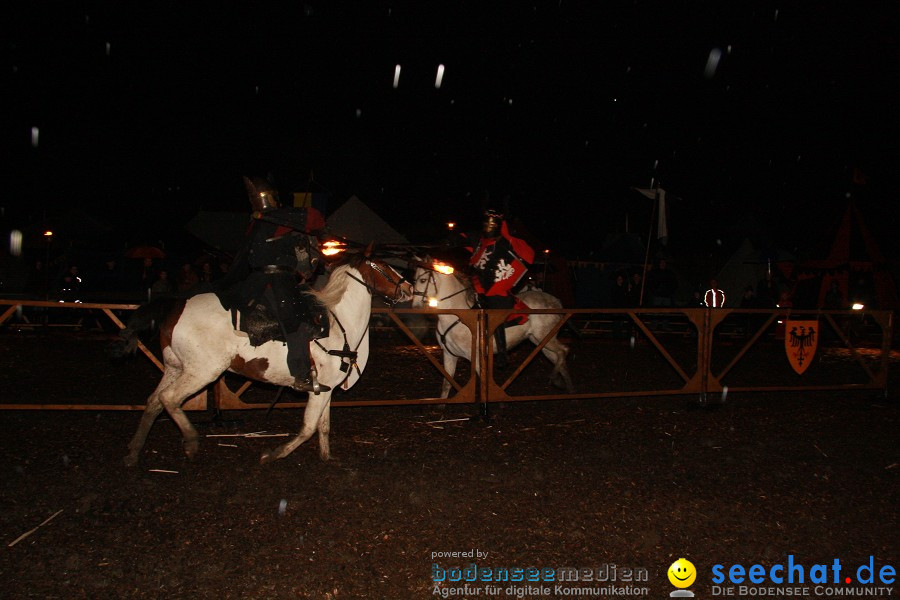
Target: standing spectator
662, 285
834, 299
162, 286
748, 300
146, 276
634, 290
206, 272
767, 293
714, 297
186, 278
619, 299
70, 284
619, 293
109, 279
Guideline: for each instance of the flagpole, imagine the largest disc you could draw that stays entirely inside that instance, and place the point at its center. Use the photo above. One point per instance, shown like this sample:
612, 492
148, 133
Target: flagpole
647, 253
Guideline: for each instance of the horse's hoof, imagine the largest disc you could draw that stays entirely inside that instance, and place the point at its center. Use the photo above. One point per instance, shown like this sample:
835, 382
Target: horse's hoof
190, 449
130, 460
266, 458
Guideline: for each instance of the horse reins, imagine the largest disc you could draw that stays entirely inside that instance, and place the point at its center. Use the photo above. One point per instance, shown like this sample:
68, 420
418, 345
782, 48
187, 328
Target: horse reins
442, 336
377, 268
346, 351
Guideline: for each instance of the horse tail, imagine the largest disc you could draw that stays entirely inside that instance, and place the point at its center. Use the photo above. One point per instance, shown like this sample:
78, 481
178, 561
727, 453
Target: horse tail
146, 320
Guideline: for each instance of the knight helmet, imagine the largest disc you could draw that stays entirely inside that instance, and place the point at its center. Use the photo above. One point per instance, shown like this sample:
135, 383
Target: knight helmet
492, 222
263, 195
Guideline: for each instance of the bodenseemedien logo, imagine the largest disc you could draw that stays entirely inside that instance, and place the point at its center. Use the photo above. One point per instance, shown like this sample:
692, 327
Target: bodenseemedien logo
682, 574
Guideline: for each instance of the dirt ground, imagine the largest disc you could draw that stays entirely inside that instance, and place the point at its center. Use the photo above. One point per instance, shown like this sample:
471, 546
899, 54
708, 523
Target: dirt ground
631, 482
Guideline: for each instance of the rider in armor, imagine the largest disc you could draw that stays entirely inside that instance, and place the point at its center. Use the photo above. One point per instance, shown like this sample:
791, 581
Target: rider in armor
499, 263
279, 256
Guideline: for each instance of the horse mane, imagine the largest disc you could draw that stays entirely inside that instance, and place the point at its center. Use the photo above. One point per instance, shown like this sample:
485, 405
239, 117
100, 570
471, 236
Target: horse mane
466, 282
334, 290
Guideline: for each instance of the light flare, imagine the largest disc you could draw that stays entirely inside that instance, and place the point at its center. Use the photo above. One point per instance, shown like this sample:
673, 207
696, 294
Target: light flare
332, 247
443, 268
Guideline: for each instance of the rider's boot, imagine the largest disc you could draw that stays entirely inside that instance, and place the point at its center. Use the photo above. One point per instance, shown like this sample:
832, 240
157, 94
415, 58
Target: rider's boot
501, 360
310, 383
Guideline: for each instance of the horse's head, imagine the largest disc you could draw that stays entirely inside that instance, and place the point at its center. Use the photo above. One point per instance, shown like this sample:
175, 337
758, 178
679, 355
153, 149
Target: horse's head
430, 279
384, 280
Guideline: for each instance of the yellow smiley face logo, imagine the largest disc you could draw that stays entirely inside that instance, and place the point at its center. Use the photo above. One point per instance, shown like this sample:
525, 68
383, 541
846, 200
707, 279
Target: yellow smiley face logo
682, 573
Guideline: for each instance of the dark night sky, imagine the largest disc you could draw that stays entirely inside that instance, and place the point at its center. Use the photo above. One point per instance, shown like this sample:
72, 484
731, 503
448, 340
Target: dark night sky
148, 114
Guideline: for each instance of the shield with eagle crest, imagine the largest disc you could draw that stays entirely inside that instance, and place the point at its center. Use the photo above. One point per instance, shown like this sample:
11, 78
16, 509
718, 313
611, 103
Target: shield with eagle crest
800, 341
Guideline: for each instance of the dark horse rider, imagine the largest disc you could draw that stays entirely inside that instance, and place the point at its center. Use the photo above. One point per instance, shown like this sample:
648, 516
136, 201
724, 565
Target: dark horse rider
499, 263
280, 253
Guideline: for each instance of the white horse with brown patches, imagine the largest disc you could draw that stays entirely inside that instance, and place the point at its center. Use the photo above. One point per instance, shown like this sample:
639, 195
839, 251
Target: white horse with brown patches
199, 342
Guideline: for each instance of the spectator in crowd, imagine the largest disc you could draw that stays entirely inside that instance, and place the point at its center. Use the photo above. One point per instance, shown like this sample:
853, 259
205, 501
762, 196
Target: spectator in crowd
162, 286
619, 299
714, 297
634, 290
187, 278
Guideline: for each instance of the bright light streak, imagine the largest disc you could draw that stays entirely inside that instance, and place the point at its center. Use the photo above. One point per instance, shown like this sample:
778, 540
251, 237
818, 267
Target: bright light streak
331, 247
396, 76
442, 268
433, 302
858, 306
440, 77
15, 242
48, 234
712, 63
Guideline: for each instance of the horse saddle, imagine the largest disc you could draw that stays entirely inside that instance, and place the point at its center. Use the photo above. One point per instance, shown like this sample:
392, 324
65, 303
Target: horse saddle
517, 318
261, 326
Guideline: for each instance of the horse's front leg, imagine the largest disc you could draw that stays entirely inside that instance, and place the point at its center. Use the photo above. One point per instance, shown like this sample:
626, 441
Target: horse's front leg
324, 429
450, 361
154, 407
173, 396
316, 406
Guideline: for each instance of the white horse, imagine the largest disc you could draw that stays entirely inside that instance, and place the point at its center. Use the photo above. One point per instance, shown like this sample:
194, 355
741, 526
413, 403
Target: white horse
455, 339
199, 343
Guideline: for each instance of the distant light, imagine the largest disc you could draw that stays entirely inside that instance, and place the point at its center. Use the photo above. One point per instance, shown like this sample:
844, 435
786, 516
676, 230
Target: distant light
440, 77
35, 137
396, 76
546, 250
108, 47
358, 113
15, 242
858, 306
712, 63
48, 233
433, 302
451, 225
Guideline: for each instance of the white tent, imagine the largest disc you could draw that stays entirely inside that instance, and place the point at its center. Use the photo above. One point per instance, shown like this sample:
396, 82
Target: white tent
355, 221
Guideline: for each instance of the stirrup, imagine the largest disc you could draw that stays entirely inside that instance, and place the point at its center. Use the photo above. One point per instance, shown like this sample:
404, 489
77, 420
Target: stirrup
309, 385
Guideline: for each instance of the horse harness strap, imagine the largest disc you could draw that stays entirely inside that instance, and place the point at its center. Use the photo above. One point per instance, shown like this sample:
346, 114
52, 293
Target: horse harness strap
443, 337
345, 352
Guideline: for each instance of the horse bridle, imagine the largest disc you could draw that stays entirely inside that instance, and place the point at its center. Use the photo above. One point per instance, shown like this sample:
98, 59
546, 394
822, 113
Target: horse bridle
433, 282
388, 277
424, 293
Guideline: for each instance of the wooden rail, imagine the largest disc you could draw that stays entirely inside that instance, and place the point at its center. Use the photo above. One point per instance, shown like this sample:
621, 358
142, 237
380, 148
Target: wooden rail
706, 327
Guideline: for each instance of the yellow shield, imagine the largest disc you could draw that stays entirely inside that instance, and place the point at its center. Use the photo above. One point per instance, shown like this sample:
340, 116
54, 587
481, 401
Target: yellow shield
800, 341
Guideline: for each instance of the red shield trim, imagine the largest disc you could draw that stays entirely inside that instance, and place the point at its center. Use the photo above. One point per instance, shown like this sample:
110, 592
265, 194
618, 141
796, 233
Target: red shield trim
800, 341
